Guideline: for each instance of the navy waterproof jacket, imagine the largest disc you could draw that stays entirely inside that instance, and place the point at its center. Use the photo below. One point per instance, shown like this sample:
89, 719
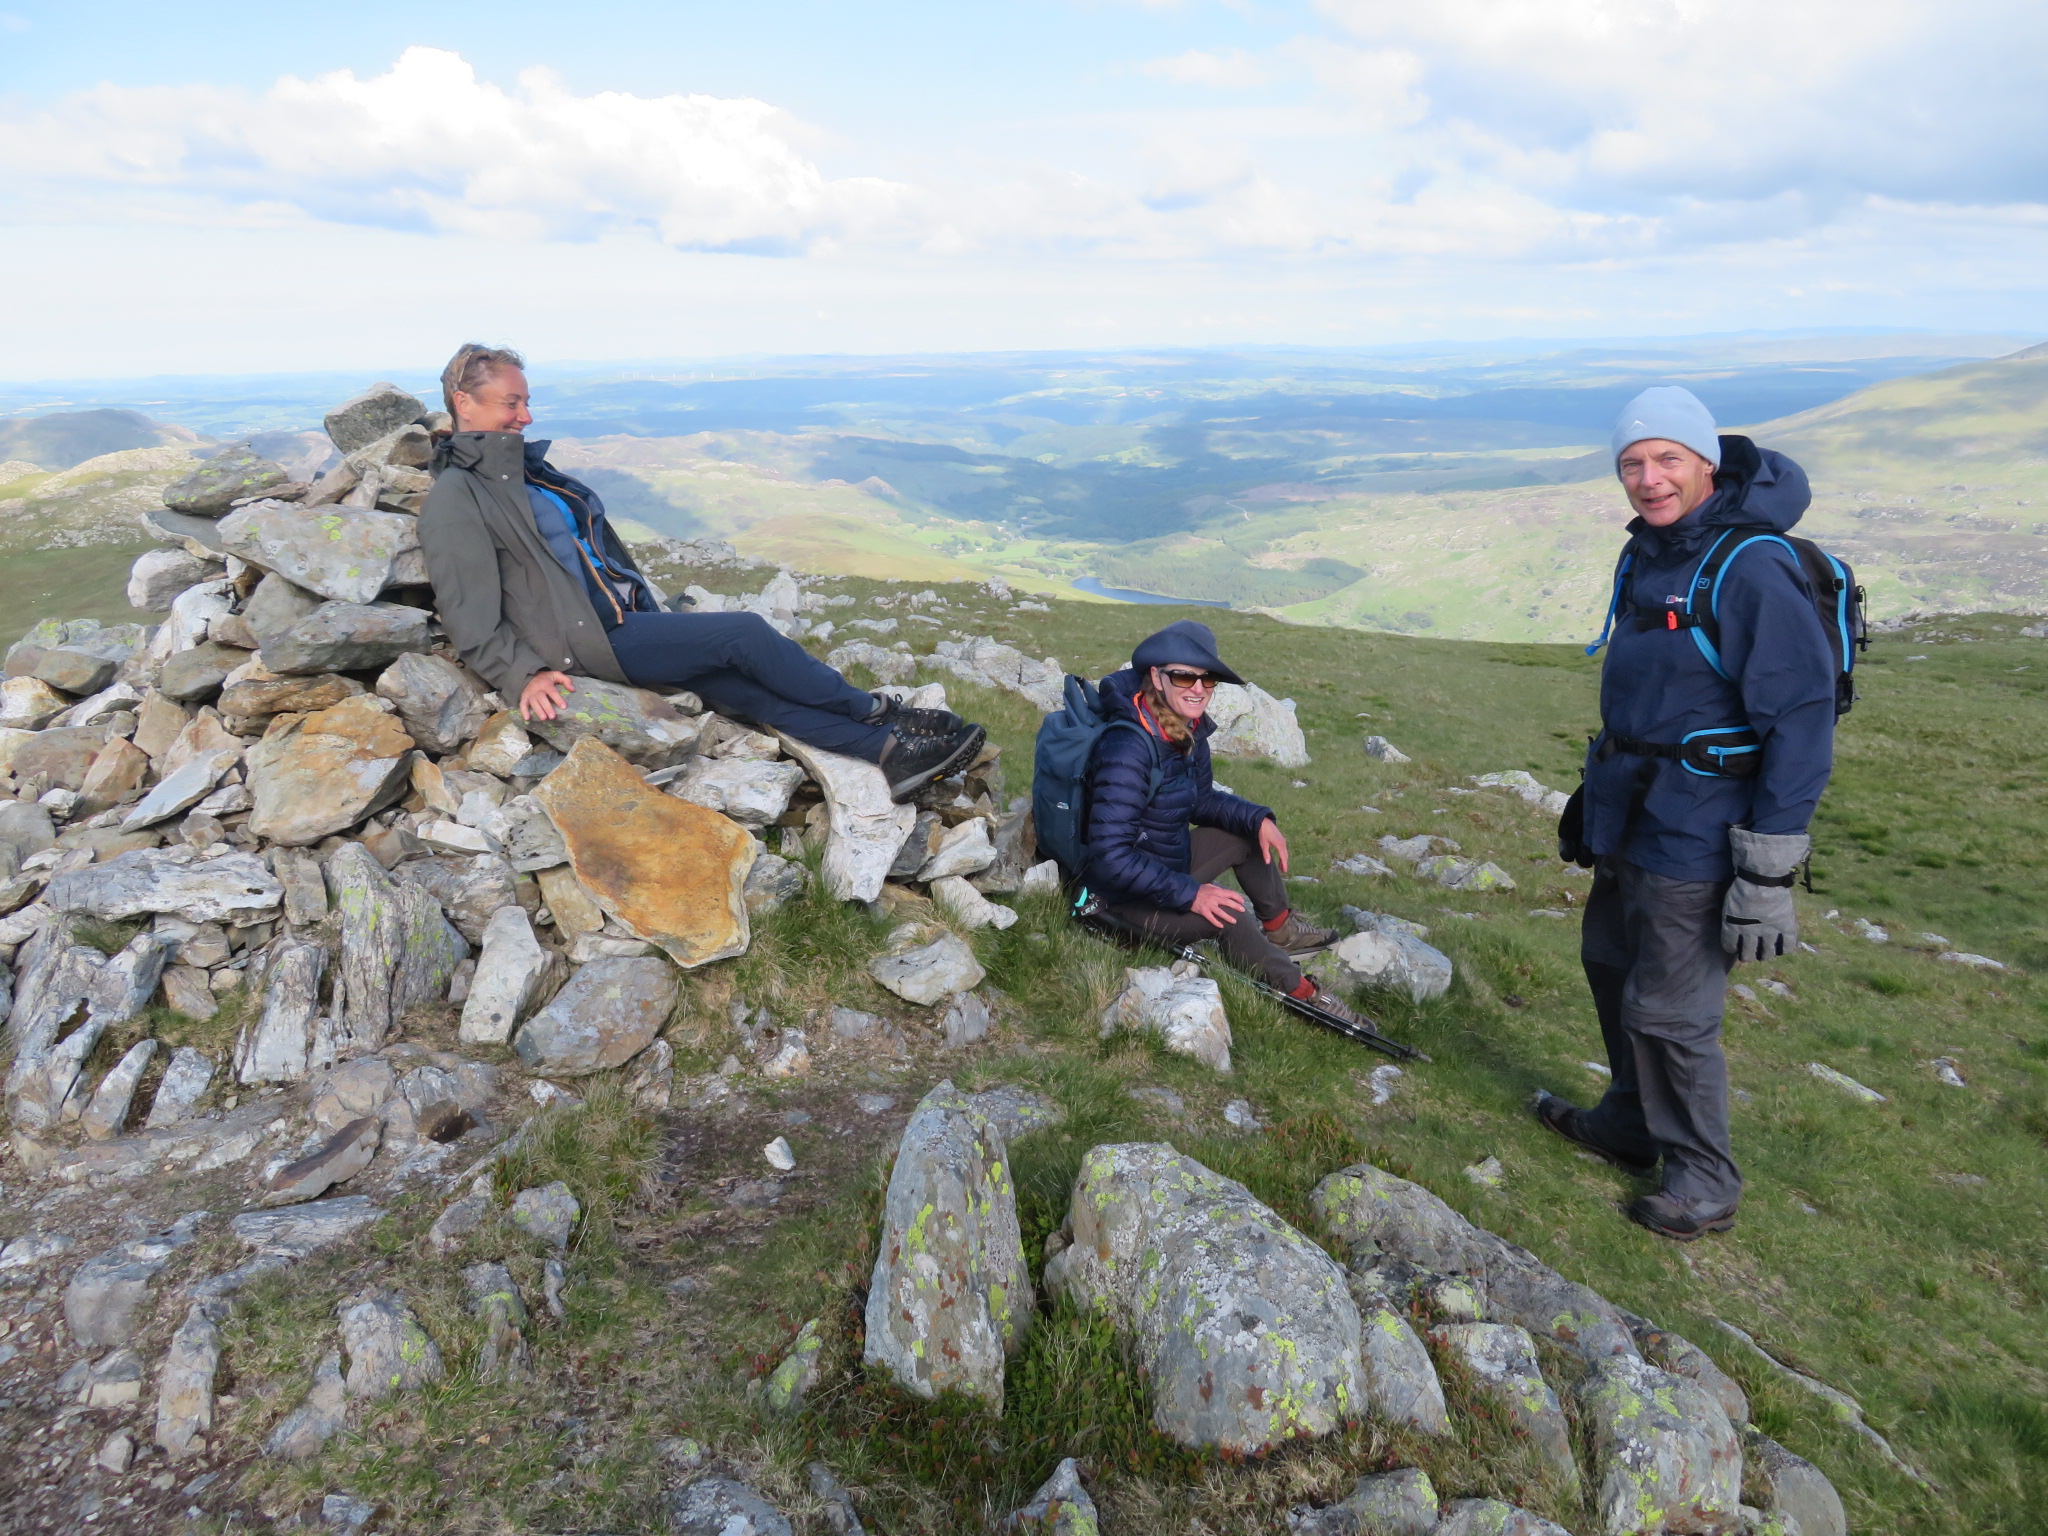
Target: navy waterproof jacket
1658, 685
1138, 840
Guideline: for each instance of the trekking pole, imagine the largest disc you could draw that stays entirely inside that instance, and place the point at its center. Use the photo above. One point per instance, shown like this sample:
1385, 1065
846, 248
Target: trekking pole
1092, 916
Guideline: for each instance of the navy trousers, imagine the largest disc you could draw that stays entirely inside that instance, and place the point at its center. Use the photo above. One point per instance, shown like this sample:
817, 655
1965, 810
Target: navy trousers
1652, 951
740, 666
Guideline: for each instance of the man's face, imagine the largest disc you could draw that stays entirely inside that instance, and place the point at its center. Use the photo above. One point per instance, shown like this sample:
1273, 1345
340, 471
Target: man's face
1664, 480
499, 405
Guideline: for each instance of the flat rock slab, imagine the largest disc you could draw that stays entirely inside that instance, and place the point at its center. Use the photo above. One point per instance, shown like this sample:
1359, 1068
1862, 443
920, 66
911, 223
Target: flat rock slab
303, 1229
301, 1433
929, 973
346, 637
344, 1155
605, 1016
951, 1295
234, 474
640, 726
1246, 1329
341, 553
326, 771
233, 887
865, 829
672, 872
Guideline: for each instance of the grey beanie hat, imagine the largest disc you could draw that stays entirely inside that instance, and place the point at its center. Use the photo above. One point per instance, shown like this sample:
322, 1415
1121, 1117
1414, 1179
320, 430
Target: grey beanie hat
1672, 413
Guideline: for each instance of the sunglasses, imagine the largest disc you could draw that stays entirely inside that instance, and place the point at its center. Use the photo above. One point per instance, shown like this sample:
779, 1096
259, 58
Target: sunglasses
1181, 679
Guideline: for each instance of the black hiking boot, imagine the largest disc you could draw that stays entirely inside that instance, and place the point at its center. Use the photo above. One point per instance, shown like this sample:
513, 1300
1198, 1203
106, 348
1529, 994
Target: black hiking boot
1683, 1221
916, 753
1569, 1121
899, 716
1300, 938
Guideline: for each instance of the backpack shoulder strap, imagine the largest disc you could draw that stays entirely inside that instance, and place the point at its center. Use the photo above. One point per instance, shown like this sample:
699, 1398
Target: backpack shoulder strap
1707, 579
1621, 566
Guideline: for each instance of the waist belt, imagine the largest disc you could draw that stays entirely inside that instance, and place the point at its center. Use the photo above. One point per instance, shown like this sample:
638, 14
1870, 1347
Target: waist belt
1722, 752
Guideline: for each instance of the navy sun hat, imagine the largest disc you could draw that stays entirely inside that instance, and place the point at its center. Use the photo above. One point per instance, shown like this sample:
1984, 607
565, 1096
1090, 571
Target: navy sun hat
1186, 644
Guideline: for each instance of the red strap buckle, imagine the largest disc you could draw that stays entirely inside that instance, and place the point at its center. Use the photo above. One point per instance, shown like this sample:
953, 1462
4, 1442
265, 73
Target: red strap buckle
1671, 618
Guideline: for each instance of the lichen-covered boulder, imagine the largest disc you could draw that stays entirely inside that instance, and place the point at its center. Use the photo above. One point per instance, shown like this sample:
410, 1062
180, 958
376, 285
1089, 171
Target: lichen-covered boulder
1501, 1359
641, 727
339, 552
379, 410
951, 1295
1244, 1327
1401, 1384
1490, 1517
1376, 1213
718, 1506
1399, 1503
1464, 874
1664, 1456
1061, 1507
234, 474
1795, 1487
1384, 958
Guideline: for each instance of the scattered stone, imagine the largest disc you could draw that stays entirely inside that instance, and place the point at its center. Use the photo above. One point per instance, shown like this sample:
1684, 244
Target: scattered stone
951, 1294
789, 1055
1362, 864
887, 666
962, 850
874, 1103
1381, 750
180, 791
184, 1081
1974, 962
840, 1514
327, 771
1186, 1012
1487, 1173
865, 830
1378, 958
1464, 874
774, 882
1949, 1071
302, 1432
718, 1506
608, 1013
1664, 1456
669, 871
344, 1155
461, 1218
388, 1351
779, 1155
1245, 1329
965, 1021
297, 1231
1041, 879
1061, 1507
1490, 1517
513, 975
929, 972
548, 1213
397, 949
746, 790
494, 1298
787, 1384
33, 1249
967, 907
1866, 929
116, 1452
342, 553
347, 637
1502, 1361
114, 1381
852, 1024
184, 1402
1519, 782
1017, 1111
1250, 722
1846, 1083
1399, 1503
1239, 1115
346, 1514
104, 1296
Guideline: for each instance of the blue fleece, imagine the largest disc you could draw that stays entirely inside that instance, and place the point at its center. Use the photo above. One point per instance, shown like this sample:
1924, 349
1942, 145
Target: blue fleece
570, 517
1658, 686
1138, 842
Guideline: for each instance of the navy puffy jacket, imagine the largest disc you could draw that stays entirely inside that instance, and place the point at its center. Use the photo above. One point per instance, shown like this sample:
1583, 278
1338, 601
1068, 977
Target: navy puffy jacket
1658, 686
1138, 842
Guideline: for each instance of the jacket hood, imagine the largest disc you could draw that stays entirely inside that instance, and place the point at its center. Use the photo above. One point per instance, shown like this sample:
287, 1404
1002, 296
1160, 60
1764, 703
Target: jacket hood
498, 452
1754, 487
1119, 694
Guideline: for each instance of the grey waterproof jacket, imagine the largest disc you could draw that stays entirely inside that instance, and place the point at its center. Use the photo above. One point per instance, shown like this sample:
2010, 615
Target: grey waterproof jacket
505, 600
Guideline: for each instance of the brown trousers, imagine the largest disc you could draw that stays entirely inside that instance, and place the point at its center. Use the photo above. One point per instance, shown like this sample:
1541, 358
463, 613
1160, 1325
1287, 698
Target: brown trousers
1243, 941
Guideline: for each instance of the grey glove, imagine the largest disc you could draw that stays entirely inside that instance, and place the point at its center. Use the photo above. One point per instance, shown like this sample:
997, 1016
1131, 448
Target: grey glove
1757, 920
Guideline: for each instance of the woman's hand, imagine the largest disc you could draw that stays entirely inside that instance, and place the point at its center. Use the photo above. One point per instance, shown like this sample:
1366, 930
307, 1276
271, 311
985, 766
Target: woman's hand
1217, 905
1271, 843
541, 698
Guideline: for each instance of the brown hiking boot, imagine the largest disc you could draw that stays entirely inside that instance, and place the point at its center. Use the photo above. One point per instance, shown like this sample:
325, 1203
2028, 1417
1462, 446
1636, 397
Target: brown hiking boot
1300, 938
1330, 1002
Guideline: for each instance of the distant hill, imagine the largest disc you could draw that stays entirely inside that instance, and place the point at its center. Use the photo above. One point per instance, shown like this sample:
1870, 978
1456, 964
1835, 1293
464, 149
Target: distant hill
64, 438
1996, 410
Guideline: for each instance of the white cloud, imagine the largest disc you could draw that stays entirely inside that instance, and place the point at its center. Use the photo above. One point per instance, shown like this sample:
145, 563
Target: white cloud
427, 145
1231, 70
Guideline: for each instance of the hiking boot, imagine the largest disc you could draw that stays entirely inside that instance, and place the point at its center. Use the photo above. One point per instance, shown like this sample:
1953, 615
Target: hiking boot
1299, 938
1680, 1220
1569, 1121
1330, 1002
916, 753
902, 717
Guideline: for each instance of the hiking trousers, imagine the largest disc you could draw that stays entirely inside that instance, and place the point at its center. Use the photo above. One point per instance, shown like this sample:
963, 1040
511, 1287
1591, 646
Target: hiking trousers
1652, 951
740, 666
1243, 940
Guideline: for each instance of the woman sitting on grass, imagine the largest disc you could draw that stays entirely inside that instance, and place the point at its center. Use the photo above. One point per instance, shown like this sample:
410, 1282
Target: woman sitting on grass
1149, 787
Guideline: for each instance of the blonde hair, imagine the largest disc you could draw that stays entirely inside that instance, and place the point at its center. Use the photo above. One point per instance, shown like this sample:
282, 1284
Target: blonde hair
1173, 725
472, 367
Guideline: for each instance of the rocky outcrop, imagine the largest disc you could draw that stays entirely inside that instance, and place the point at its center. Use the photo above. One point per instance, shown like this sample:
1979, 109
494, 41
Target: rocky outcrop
1245, 1329
1664, 1456
950, 1295
1184, 1009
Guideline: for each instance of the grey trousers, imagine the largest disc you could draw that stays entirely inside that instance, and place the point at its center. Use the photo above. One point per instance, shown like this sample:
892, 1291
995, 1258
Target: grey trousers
1652, 951
1243, 940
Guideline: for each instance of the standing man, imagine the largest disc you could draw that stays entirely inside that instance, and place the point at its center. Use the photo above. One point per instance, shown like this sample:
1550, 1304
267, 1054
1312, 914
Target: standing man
1713, 752
533, 584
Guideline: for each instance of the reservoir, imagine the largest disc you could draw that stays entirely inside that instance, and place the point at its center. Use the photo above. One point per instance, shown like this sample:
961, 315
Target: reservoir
1094, 587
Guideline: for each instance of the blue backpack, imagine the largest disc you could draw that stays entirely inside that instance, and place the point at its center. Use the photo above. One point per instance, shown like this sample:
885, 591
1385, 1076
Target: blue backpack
1059, 775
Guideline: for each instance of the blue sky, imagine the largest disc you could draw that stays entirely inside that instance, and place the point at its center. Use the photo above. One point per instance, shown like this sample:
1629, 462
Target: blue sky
254, 187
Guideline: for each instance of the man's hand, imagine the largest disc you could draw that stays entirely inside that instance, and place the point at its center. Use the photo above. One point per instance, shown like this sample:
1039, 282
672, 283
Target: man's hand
1216, 905
1758, 921
1271, 843
542, 697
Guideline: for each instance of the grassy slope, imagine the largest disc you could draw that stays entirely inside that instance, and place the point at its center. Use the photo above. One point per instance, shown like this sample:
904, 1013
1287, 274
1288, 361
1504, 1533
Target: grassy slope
1922, 1298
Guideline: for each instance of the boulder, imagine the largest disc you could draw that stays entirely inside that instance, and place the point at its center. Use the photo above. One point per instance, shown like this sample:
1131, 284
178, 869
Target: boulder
929, 972
513, 975
319, 1418
951, 1295
749, 791
1664, 1456
1381, 750
231, 887
1682, 1357
347, 637
26, 827
718, 1506
61, 755
671, 872
865, 829
1793, 1486
1244, 1328
441, 704
640, 726
1490, 1517
193, 614
501, 745
397, 949
196, 674
524, 834
183, 1082
1401, 1385
339, 552
377, 412
388, 1351
275, 605
603, 1017
1392, 960
1399, 1503
1464, 874
115, 772
159, 575
327, 771
107, 1114
471, 888
1185, 1011
29, 703
1527, 787
1061, 1507
994, 665
297, 1231
1016, 845
966, 907
274, 1048
1501, 1360
236, 473
962, 850
1251, 723
184, 1399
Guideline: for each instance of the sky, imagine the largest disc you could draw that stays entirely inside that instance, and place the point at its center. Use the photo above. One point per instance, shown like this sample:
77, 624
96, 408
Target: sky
222, 186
